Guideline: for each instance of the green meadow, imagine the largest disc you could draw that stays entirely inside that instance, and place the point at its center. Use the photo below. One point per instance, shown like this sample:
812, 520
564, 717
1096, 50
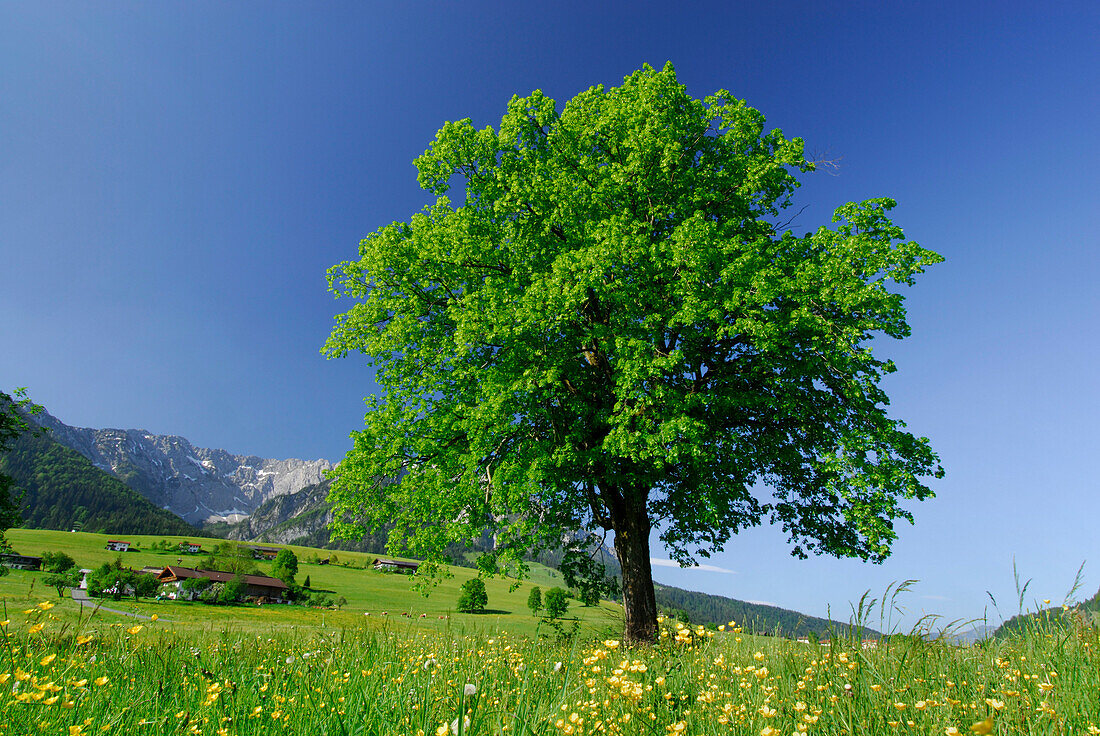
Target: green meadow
388, 598
244, 670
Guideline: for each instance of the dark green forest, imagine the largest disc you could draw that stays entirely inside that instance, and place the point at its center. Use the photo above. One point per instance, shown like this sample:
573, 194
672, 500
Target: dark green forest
703, 608
62, 489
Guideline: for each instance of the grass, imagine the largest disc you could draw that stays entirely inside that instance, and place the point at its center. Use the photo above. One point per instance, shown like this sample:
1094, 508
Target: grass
90, 676
280, 669
366, 591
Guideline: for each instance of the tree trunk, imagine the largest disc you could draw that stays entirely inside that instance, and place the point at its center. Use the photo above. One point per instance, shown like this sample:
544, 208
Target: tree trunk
639, 602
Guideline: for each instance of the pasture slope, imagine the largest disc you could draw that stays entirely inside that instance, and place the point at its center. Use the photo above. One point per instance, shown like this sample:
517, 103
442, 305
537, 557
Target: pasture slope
366, 591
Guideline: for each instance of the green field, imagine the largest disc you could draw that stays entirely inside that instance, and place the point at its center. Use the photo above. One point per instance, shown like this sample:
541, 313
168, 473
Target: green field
248, 670
388, 598
62, 677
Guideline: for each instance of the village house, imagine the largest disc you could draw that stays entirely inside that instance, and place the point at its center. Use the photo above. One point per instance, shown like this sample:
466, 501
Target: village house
395, 566
116, 545
256, 586
190, 548
263, 553
20, 562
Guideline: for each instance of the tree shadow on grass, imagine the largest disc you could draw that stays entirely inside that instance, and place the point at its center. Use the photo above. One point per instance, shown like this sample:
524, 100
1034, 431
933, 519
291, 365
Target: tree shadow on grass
485, 611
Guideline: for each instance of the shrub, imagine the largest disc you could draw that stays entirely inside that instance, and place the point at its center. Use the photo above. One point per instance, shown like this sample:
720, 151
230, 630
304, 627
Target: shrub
556, 603
233, 590
145, 586
195, 586
472, 596
57, 562
111, 578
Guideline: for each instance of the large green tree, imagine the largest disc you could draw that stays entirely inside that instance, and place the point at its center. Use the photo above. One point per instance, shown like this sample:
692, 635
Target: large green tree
614, 333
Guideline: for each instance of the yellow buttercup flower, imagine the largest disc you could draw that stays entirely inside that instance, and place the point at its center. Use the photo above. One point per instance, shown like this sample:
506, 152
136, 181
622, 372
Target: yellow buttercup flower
36, 628
82, 640
983, 727
101, 681
47, 659
134, 629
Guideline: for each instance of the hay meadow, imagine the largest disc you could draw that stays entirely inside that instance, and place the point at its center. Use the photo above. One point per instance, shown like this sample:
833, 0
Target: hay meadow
424, 669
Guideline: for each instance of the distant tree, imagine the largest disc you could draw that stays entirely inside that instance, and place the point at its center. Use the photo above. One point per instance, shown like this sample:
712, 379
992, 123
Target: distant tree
112, 579
145, 586
285, 565
341, 602
472, 597
233, 558
61, 580
195, 586
534, 600
589, 595
233, 590
57, 561
556, 602
306, 583
12, 424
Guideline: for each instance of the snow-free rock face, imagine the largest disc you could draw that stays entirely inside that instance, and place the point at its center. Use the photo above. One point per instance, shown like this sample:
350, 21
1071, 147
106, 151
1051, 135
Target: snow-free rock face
198, 484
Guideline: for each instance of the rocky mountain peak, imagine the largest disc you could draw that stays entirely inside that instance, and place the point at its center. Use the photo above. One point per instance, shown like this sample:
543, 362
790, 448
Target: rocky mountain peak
200, 485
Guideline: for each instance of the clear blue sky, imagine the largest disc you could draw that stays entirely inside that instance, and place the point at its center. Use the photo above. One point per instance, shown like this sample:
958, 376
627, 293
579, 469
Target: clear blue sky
175, 177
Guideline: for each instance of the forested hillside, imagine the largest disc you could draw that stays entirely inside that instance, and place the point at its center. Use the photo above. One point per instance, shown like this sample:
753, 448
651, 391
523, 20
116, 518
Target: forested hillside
63, 490
703, 608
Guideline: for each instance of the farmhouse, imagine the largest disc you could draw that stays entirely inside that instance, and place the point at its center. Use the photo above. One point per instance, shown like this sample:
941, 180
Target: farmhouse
20, 562
259, 586
116, 545
190, 548
263, 553
396, 566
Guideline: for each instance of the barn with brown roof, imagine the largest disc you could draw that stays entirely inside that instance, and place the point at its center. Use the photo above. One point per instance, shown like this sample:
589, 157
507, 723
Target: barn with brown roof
257, 586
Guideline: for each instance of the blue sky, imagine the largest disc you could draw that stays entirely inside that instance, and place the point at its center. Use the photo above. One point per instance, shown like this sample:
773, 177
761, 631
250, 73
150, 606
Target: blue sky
176, 177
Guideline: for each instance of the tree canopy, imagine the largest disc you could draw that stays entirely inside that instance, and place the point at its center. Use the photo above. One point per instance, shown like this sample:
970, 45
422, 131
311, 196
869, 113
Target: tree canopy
612, 332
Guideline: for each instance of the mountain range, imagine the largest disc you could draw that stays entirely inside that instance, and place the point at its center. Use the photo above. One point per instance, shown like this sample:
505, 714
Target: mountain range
197, 484
58, 488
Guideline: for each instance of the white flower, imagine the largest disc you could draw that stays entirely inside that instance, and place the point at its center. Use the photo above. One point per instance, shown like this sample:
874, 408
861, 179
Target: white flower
429, 663
465, 723
469, 690
557, 666
290, 660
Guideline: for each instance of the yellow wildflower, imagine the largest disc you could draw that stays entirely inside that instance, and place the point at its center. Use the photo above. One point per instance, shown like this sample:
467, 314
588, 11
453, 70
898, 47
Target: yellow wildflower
134, 629
983, 727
